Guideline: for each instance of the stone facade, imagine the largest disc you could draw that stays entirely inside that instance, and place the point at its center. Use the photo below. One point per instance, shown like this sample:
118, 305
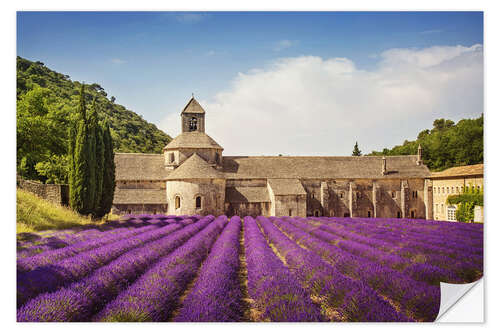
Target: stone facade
454, 181
194, 178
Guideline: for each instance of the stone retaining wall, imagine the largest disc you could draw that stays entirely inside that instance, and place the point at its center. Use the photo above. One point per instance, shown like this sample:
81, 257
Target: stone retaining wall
56, 193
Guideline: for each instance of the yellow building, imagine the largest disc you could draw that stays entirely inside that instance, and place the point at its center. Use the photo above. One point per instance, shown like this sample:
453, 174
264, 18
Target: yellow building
454, 181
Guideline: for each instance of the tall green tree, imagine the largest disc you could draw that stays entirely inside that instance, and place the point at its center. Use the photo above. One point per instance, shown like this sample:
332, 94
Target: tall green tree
108, 183
356, 151
82, 185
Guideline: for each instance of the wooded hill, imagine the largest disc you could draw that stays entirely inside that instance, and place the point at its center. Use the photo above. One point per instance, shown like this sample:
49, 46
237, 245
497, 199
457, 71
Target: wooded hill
47, 102
445, 145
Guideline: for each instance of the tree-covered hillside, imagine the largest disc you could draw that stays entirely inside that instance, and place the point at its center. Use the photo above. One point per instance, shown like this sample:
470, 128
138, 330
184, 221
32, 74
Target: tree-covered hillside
446, 145
47, 103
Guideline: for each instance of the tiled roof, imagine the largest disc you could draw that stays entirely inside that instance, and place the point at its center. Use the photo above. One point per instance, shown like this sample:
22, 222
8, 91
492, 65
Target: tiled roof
317, 167
467, 170
247, 194
193, 107
140, 166
192, 140
194, 167
140, 196
286, 186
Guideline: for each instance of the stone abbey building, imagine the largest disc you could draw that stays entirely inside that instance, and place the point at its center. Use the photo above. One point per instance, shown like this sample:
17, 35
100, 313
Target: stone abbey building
193, 177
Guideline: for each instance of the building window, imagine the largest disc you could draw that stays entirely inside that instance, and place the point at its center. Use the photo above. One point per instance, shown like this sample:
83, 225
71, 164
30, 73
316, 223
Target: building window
171, 157
452, 189
312, 195
442, 208
217, 157
393, 194
316, 213
177, 202
479, 188
289, 212
414, 194
198, 202
452, 213
399, 215
193, 124
341, 195
358, 195
369, 214
434, 189
438, 191
412, 214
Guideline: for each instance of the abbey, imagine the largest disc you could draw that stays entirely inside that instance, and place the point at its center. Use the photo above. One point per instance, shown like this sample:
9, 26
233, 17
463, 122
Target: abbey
193, 177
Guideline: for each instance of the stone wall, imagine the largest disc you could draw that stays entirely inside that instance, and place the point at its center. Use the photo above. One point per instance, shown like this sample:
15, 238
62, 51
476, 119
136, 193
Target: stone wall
121, 209
247, 208
56, 193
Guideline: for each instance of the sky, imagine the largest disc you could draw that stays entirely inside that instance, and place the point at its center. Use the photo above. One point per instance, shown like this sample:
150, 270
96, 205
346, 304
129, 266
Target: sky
291, 83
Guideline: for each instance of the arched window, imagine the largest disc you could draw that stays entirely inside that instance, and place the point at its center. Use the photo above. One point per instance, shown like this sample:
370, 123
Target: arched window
177, 202
399, 215
316, 213
412, 214
193, 124
369, 214
341, 195
198, 202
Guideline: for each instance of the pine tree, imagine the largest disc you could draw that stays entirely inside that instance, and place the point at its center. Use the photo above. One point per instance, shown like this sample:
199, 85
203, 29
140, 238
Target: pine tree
108, 183
356, 151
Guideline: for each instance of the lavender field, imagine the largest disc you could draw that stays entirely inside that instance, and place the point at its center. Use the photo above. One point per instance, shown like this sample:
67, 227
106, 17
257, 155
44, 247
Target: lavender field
206, 268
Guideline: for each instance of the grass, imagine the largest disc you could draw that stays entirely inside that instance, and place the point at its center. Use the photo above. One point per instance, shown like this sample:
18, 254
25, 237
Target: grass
35, 214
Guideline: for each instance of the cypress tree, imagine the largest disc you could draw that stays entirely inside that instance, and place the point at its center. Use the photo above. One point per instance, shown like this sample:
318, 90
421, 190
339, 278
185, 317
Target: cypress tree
79, 191
108, 182
92, 162
99, 170
356, 151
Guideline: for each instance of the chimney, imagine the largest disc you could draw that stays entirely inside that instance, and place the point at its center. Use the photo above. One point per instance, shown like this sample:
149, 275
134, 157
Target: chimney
384, 166
419, 155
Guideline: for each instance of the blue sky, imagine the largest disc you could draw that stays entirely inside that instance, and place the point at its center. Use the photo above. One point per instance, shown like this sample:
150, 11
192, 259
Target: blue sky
152, 62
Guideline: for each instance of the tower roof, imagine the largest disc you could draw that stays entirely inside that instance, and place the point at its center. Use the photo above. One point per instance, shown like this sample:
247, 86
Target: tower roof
193, 107
194, 168
192, 140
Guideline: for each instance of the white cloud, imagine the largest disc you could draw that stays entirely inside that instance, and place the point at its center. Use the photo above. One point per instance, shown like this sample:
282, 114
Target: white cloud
433, 31
313, 106
118, 61
190, 18
283, 44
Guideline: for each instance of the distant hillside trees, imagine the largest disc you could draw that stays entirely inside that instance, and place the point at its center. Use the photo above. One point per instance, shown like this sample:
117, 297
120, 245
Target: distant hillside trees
91, 152
46, 101
446, 145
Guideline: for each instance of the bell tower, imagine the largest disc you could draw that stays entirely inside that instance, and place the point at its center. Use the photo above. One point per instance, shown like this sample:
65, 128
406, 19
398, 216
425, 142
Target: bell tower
193, 117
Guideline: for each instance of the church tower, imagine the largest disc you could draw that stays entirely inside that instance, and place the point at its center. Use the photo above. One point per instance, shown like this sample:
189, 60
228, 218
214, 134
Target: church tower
192, 139
193, 117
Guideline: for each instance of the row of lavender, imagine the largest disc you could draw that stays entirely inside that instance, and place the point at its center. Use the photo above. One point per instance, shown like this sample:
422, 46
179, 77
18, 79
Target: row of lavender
297, 270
